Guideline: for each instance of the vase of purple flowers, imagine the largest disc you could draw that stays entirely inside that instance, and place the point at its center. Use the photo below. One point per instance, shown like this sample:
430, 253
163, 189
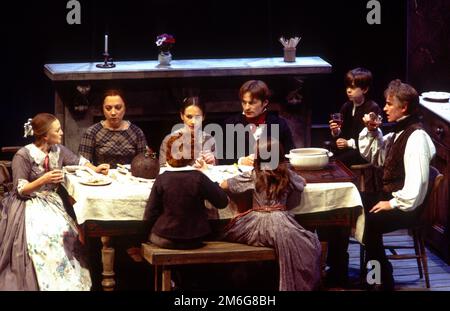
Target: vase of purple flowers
164, 43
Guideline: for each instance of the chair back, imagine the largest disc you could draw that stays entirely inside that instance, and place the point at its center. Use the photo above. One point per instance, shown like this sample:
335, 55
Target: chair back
5, 180
427, 210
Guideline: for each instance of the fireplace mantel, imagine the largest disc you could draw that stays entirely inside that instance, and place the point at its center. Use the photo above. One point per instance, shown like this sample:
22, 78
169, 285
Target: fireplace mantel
188, 68
154, 92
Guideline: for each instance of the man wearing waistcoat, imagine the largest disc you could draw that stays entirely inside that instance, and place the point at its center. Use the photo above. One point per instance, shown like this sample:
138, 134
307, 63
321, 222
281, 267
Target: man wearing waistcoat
405, 156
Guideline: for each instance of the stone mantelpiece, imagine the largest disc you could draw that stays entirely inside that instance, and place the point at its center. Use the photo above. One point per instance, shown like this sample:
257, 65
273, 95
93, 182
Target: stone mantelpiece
153, 92
188, 68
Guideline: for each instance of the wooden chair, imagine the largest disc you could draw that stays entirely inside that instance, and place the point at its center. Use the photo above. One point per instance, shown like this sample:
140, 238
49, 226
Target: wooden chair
417, 232
365, 170
5, 170
5, 180
11, 149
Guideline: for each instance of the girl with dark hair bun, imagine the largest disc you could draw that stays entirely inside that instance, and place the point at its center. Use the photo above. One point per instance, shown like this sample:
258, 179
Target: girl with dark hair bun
39, 248
192, 113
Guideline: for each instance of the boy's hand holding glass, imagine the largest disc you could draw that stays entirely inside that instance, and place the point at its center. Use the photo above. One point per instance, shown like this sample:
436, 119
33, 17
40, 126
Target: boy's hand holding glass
372, 121
335, 122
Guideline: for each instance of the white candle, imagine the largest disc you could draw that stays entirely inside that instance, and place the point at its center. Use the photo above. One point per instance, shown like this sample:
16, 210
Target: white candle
106, 44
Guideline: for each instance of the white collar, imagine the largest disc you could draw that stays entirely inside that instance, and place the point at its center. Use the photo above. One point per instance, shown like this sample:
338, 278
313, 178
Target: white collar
38, 155
169, 168
357, 105
404, 117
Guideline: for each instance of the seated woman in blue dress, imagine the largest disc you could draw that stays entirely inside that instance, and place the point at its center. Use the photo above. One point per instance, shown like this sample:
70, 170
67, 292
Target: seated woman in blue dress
39, 248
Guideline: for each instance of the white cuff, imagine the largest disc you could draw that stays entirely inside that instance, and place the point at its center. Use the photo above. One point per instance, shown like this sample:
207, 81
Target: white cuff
83, 161
393, 202
351, 143
20, 184
240, 160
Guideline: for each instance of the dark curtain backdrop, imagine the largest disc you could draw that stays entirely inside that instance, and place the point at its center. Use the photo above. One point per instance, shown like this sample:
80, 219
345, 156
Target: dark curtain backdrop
36, 33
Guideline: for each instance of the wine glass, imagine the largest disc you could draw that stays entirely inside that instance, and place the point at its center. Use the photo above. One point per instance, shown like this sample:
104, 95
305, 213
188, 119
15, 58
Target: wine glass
337, 118
375, 118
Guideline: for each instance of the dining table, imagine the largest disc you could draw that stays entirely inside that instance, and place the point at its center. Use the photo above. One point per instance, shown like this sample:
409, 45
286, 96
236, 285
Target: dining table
116, 207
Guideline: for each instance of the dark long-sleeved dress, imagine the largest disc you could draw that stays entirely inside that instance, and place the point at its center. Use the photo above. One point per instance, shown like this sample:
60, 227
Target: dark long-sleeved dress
271, 224
39, 246
176, 206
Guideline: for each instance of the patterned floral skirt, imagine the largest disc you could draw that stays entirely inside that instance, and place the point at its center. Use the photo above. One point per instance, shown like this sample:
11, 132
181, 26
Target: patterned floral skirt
53, 245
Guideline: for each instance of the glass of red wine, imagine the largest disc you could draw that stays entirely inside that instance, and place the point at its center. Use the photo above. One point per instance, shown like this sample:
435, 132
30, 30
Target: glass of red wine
336, 118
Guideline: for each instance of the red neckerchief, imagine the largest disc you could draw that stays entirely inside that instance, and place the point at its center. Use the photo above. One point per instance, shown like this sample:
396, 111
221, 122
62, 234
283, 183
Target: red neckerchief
257, 121
47, 163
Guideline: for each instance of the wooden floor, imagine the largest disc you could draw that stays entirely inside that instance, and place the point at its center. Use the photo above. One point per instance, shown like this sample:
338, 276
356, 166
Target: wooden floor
406, 274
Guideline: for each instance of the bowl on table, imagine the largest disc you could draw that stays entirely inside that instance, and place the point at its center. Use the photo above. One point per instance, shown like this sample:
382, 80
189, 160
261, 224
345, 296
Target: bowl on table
309, 158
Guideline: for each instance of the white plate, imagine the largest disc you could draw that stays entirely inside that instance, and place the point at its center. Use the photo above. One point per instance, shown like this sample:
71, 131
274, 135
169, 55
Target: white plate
95, 183
437, 96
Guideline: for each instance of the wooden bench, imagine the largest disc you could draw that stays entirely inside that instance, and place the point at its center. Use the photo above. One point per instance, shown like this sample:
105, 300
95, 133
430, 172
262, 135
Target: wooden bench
213, 252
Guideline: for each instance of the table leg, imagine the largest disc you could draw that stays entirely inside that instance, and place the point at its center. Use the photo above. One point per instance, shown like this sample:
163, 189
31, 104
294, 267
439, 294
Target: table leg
157, 278
108, 281
166, 278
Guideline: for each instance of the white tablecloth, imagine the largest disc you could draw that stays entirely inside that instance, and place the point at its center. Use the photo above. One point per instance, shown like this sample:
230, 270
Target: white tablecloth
125, 199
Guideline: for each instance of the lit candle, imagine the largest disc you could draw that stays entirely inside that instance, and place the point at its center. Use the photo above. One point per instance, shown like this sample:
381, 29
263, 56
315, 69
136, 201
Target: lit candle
106, 44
